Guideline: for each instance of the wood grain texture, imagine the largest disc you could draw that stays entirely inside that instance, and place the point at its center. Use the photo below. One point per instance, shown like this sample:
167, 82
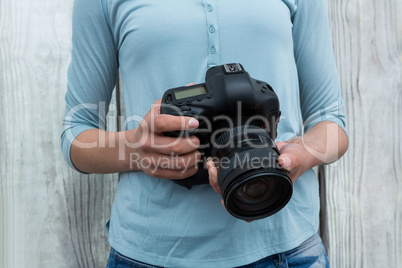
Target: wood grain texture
364, 189
51, 216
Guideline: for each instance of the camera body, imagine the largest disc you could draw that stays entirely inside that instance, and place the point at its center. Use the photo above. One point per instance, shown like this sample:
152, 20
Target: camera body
230, 91
238, 116
225, 86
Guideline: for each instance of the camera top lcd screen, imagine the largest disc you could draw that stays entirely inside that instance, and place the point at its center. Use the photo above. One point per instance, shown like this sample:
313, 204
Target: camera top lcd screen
191, 92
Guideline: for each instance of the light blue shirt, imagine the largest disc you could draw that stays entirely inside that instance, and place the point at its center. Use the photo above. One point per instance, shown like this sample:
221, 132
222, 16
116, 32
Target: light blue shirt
163, 44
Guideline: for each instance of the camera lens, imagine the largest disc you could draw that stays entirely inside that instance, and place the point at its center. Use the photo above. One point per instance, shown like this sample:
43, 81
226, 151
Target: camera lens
253, 184
256, 189
255, 192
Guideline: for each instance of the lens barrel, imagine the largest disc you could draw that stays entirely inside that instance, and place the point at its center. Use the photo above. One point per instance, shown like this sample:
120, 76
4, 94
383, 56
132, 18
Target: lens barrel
252, 182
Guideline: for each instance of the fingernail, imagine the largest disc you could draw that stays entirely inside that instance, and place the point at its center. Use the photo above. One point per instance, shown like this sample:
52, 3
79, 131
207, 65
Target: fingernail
288, 162
193, 123
209, 164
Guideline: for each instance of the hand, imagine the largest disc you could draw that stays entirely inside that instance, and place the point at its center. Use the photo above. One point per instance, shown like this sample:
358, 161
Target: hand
161, 156
213, 179
294, 157
323, 143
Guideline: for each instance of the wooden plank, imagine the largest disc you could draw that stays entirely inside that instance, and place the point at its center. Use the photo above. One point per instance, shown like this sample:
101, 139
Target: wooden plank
51, 216
363, 191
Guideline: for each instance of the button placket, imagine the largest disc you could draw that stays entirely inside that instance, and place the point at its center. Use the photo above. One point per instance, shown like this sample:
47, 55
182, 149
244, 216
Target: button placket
212, 31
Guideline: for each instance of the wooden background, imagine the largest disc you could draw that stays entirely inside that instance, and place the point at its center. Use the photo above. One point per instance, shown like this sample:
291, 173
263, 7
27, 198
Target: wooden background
51, 216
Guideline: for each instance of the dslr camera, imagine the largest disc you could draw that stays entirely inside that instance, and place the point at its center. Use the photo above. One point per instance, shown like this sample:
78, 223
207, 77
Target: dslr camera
238, 118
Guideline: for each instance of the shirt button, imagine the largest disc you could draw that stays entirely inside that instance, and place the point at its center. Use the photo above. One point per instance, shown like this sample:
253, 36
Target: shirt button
212, 50
211, 29
210, 8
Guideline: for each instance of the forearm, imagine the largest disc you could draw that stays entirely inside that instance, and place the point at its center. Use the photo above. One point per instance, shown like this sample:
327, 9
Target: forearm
99, 151
324, 143
144, 148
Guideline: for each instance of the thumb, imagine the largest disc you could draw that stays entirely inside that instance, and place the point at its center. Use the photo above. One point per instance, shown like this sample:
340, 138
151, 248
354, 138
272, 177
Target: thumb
288, 161
280, 144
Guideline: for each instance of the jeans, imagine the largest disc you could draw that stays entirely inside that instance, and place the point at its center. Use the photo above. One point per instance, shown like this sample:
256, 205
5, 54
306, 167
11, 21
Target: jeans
310, 253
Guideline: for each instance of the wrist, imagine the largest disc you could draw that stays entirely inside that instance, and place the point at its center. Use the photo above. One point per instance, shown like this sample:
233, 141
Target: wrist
128, 150
296, 157
310, 149
326, 142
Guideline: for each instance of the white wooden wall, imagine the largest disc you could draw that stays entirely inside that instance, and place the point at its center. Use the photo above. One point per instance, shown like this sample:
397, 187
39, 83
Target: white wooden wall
364, 191
51, 216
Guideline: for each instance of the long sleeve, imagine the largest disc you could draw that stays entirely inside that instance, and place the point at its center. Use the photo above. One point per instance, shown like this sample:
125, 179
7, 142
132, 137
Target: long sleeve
320, 92
92, 73
166, 44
